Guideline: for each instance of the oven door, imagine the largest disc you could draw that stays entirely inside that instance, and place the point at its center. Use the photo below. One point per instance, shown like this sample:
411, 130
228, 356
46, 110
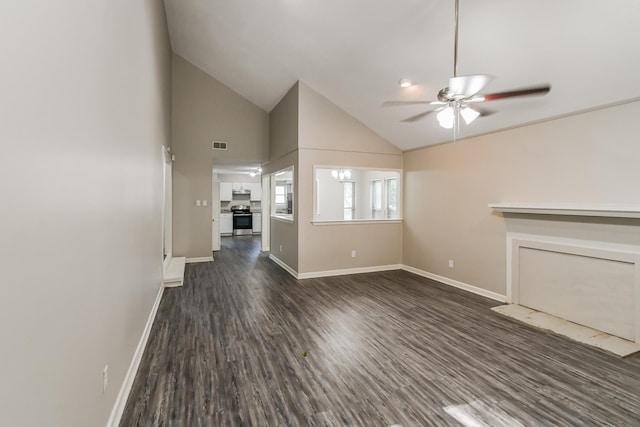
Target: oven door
243, 221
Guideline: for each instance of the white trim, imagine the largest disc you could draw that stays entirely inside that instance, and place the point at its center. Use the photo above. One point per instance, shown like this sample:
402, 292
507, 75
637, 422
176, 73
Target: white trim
358, 221
282, 264
456, 284
173, 284
602, 210
125, 389
588, 248
173, 273
358, 270
199, 259
167, 198
444, 280
265, 207
166, 263
287, 219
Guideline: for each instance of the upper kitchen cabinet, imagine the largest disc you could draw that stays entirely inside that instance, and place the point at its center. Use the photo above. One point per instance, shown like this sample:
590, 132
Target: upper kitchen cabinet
256, 190
226, 191
241, 186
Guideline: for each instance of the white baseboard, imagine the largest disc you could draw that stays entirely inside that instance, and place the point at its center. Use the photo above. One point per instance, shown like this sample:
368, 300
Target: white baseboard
173, 284
282, 264
199, 259
125, 389
456, 284
445, 280
345, 271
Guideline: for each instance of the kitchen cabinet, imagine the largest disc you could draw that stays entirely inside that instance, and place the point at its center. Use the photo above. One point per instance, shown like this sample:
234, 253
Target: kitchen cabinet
226, 194
257, 222
226, 223
256, 190
240, 186
227, 189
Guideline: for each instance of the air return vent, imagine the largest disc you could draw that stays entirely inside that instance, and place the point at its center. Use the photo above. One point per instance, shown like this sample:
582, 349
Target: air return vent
219, 145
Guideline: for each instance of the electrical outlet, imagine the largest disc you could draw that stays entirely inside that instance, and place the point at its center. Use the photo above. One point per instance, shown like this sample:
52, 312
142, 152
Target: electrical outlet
280, 248
197, 202
204, 203
105, 378
353, 253
450, 263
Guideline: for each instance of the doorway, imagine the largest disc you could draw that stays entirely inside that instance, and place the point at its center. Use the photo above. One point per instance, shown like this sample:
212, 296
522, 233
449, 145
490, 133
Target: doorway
239, 190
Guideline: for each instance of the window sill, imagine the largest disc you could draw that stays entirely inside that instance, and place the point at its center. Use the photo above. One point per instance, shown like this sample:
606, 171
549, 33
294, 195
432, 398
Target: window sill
358, 222
282, 218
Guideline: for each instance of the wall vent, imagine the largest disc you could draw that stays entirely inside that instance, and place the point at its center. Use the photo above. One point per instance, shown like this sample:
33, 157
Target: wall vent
219, 145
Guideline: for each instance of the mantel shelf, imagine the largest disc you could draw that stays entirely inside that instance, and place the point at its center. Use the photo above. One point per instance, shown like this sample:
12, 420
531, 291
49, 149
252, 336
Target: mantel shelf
607, 211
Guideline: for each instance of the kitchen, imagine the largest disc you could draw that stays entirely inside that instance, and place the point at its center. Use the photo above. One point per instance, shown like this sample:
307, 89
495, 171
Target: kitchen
240, 208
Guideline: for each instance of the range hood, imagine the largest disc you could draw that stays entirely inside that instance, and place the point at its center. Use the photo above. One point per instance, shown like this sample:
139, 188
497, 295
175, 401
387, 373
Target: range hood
243, 191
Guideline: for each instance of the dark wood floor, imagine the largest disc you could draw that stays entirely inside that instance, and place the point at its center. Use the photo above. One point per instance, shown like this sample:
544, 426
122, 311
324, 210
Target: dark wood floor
382, 349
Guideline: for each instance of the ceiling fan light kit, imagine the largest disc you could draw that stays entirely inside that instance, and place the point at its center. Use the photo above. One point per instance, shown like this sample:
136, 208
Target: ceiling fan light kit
469, 114
446, 117
455, 99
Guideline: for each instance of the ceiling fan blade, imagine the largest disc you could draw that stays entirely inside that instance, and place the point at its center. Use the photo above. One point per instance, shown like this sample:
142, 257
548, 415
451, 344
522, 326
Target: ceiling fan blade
539, 90
466, 86
397, 103
417, 117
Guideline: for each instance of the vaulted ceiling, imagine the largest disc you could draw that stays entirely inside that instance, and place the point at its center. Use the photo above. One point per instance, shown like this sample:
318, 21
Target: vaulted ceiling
354, 52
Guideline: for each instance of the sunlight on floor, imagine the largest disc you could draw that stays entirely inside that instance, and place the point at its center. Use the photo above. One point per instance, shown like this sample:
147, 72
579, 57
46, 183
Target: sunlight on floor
478, 414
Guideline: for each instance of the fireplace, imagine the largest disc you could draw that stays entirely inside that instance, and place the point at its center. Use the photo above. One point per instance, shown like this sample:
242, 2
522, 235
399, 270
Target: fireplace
578, 263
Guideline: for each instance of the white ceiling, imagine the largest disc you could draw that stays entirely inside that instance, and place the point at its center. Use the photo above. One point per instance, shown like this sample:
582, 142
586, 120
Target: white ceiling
355, 51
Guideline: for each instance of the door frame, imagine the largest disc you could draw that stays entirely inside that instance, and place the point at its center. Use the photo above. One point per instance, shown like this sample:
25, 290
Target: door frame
167, 206
215, 212
265, 204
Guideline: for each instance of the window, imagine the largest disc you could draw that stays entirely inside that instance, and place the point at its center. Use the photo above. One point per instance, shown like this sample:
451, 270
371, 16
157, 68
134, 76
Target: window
384, 200
376, 199
281, 197
356, 194
282, 193
349, 197
391, 193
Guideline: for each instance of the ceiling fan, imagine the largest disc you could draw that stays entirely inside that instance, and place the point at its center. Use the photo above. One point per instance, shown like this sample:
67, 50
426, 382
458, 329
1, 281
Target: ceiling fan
460, 97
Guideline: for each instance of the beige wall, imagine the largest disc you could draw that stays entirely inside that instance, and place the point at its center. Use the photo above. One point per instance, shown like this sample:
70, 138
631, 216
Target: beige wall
586, 158
230, 177
283, 120
326, 127
204, 110
331, 137
285, 233
283, 140
85, 110
328, 247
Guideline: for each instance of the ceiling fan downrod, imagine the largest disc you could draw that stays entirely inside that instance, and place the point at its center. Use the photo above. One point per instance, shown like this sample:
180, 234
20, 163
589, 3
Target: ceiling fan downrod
455, 42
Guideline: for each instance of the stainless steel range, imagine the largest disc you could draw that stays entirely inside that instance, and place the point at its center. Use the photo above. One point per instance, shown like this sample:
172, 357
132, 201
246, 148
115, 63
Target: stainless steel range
242, 220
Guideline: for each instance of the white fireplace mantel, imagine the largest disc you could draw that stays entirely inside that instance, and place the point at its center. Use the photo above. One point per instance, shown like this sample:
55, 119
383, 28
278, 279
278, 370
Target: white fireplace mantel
602, 210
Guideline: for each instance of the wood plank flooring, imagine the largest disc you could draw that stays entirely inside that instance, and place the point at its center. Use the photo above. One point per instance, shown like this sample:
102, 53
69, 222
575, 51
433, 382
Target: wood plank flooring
382, 349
